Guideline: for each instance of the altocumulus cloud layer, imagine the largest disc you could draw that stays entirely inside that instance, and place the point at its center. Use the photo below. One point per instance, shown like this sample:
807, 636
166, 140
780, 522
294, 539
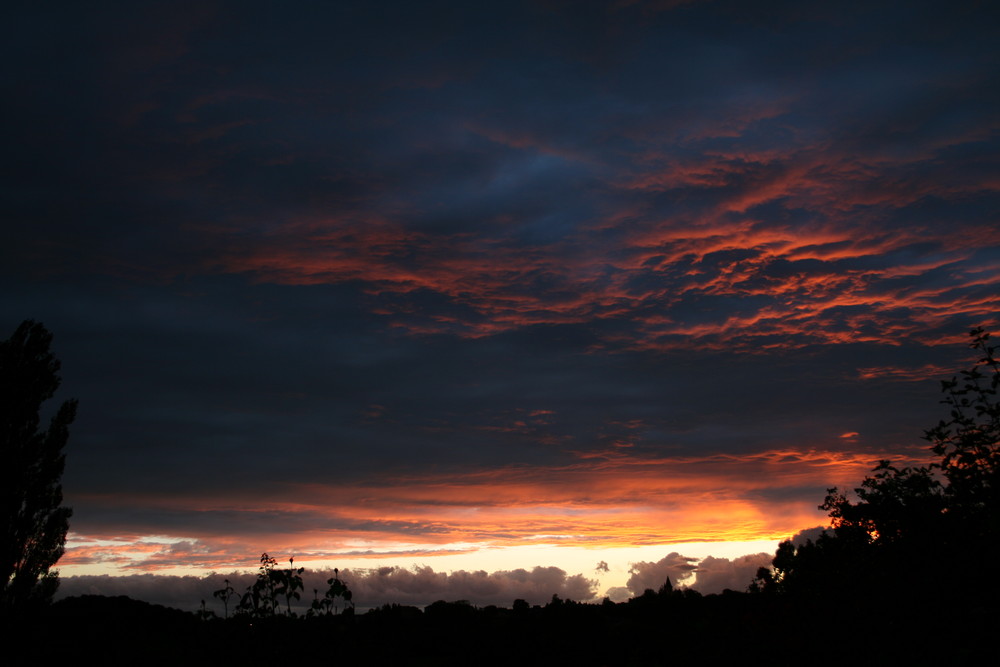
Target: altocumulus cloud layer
414, 278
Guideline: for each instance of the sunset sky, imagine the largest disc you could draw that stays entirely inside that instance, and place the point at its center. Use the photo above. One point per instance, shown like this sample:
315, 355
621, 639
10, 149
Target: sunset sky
462, 286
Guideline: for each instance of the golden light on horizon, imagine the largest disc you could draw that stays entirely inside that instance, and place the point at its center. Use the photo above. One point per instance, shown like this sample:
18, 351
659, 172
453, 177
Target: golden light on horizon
606, 503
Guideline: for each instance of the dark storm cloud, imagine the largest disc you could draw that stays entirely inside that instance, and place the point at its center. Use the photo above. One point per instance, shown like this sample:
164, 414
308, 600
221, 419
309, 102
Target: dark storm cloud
340, 243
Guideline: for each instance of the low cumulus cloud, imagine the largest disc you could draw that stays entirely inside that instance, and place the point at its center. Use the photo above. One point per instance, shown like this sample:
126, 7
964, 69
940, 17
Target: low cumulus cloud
807, 535
715, 575
653, 575
618, 593
421, 585
418, 586
708, 576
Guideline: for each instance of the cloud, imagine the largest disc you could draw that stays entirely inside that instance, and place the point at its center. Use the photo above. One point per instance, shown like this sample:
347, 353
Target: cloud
897, 374
618, 593
713, 575
418, 586
362, 278
488, 209
709, 575
674, 566
421, 585
808, 534
603, 498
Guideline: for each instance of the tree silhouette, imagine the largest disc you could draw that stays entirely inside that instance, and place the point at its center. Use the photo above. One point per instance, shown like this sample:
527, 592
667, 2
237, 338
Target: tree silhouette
908, 521
32, 518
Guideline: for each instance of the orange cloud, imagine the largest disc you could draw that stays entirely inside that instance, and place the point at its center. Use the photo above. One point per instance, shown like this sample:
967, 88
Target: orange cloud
800, 240
925, 372
605, 500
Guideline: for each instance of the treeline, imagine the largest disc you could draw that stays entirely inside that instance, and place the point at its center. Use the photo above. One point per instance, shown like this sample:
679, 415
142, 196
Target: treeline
656, 628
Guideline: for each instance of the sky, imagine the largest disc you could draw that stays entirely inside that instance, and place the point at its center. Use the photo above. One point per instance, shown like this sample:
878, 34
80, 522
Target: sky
474, 299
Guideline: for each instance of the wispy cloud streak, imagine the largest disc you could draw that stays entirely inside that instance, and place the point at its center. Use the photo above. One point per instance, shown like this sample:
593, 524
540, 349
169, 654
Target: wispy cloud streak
604, 500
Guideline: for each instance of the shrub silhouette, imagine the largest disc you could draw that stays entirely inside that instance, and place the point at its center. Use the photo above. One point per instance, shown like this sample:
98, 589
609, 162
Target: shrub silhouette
225, 594
328, 605
273, 590
263, 598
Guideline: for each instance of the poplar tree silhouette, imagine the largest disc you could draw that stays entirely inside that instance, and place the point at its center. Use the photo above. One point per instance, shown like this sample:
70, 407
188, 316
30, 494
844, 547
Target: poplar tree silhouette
32, 519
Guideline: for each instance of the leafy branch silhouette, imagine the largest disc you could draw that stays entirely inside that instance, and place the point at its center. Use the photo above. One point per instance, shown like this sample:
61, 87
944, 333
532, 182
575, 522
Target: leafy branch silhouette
272, 592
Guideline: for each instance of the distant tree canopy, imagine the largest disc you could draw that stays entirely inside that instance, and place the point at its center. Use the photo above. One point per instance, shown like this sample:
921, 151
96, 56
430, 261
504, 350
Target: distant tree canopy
32, 518
915, 528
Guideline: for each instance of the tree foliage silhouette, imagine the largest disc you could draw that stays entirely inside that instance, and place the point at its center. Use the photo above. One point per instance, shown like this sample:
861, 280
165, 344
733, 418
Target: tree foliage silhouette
909, 521
34, 522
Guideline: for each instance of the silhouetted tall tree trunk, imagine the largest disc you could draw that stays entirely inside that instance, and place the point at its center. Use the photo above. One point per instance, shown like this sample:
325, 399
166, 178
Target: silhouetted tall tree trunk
32, 518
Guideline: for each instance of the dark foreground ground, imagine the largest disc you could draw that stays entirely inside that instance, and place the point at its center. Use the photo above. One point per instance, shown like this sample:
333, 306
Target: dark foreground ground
655, 629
